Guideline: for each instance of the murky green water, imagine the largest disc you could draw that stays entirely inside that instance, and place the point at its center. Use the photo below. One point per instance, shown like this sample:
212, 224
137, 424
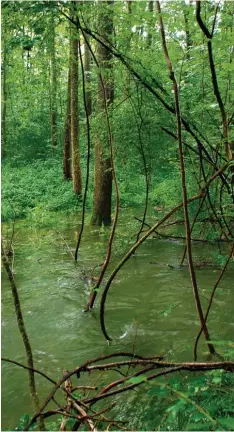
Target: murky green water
148, 302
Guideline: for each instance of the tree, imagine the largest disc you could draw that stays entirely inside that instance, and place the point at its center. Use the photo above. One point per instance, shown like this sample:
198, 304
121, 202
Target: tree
67, 133
103, 173
87, 69
4, 89
53, 96
150, 9
76, 169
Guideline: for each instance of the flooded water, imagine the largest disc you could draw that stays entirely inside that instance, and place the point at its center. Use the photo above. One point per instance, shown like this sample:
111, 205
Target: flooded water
149, 306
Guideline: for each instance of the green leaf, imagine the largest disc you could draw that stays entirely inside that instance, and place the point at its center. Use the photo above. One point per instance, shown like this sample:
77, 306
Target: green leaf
23, 421
137, 379
76, 395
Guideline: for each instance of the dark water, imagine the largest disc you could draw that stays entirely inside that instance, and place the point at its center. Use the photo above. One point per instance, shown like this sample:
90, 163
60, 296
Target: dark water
149, 305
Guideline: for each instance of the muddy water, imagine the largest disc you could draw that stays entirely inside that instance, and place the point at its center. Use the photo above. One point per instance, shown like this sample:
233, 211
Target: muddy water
149, 306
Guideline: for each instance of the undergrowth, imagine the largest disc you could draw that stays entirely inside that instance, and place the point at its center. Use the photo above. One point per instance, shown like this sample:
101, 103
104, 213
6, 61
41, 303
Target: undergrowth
184, 402
34, 191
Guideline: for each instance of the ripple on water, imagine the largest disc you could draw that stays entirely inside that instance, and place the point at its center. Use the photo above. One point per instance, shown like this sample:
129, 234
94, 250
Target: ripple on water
140, 309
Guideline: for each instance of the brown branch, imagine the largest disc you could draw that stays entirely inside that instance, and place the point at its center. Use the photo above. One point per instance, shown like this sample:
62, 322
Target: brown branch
28, 368
74, 371
160, 364
143, 238
211, 300
140, 361
120, 381
192, 226
128, 255
200, 22
183, 182
214, 78
68, 388
24, 335
85, 416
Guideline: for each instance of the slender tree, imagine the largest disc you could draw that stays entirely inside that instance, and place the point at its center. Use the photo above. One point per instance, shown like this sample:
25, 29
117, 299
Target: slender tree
76, 169
53, 102
87, 70
67, 133
183, 182
103, 172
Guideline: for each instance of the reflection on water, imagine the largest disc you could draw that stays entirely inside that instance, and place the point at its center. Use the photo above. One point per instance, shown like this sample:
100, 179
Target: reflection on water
149, 306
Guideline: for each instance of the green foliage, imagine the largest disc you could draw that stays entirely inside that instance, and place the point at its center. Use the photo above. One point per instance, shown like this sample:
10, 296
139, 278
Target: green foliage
194, 402
36, 190
23, 421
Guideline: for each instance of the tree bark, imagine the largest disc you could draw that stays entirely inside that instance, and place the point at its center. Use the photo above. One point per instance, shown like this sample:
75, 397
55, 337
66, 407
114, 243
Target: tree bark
103, 172
76, 170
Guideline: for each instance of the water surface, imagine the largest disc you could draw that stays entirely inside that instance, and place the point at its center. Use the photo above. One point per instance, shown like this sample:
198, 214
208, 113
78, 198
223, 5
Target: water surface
149, 306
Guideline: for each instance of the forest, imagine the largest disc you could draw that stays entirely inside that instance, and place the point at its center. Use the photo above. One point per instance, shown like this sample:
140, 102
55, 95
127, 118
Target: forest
117, 150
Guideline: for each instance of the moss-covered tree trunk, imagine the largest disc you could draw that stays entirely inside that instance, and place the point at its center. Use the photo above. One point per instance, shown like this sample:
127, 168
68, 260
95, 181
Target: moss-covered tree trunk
53, 110
76, 169
103, 174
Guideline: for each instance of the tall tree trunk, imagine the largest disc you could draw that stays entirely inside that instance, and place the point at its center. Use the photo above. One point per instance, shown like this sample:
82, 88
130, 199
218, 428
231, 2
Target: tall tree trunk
87, 60
76, 170
67, 133
4, 93
53, 110
103, 173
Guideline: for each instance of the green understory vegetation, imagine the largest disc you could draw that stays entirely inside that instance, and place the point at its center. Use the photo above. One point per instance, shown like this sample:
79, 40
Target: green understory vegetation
188, 402
38, 187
